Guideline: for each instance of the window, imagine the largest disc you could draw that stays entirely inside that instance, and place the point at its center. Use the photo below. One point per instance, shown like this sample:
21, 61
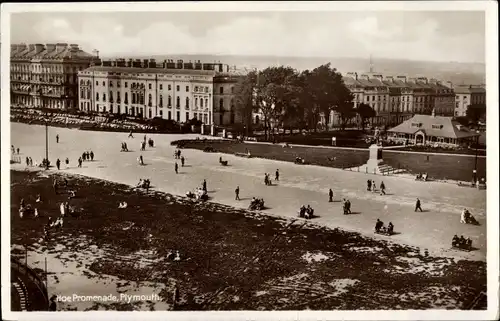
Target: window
169, 88
178, 88
201, 102
206, 102
110, 83
169, 115
232, 90
97, 97
187, 102
221, 104
221, 90
195, 116
104, 84
161, 87
178, 102
104, 97
169, 102
150, 100
82, 94
118, 84
196, 88
196, 102
150, 87
187, 116
187, 88
118, 98
178, 115
126, 84
110, 96
126, 98
97, 83
456, 104
161, 113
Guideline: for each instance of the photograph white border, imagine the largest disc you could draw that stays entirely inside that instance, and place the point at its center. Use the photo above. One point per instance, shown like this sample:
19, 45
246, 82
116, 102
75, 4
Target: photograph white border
491, 14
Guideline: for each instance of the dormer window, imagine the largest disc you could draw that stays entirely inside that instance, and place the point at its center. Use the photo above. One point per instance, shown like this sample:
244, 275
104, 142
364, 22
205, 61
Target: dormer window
437, 126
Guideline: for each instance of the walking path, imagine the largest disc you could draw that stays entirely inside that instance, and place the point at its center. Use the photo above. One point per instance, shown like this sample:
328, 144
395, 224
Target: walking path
299, 184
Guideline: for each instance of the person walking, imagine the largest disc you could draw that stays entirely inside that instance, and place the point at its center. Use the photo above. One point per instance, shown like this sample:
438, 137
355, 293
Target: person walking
58, 164
176, 168
205, 185
418, 205
27, 161
330, 195
57, 138
369, 185
277, 176
382, 188
18, 151
67, 162
182, 161
237, 192
31, 162
91, 155
374, 186
80, 162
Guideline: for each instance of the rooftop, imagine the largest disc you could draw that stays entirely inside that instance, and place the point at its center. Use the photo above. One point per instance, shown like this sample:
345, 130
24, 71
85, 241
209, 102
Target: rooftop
437, 126
48, 51
135, 70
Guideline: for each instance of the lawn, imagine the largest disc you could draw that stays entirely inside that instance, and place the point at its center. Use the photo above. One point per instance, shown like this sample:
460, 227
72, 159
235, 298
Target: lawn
236, 260
437, 166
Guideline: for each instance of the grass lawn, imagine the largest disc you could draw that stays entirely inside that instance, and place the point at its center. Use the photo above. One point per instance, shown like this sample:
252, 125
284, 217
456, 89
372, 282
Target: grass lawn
235, 260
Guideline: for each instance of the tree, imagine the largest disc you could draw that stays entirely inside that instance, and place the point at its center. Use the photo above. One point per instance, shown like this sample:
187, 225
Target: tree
346, 111
330, 93
365, 112
244, 99
475, 112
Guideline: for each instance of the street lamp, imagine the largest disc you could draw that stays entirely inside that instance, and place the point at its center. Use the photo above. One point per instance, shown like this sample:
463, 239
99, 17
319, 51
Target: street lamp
475, 161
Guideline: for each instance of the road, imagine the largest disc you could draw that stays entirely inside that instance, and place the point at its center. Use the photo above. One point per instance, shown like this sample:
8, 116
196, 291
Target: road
299, 184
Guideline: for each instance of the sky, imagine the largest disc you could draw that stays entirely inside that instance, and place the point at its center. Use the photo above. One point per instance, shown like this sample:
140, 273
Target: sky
457, 36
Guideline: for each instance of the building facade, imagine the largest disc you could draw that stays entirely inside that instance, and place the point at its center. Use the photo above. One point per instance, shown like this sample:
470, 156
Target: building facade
466, 95
46, 75
226, 111
147, 89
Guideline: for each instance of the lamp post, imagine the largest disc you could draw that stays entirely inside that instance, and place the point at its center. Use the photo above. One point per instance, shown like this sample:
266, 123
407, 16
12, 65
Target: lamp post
475, 160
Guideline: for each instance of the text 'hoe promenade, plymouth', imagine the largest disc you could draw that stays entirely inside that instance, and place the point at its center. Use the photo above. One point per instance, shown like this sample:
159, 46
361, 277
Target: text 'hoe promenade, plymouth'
194, 175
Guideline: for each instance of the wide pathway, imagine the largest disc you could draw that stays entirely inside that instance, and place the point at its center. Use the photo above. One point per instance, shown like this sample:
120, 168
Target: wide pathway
299, 184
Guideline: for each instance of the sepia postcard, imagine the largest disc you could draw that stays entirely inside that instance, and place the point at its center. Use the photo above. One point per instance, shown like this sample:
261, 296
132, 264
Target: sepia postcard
250, 160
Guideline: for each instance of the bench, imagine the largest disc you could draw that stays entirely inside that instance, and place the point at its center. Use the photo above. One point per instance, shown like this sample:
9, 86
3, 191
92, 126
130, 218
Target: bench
247, 155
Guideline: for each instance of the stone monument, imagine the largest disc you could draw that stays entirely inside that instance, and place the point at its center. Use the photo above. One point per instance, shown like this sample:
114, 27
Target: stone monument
375, 158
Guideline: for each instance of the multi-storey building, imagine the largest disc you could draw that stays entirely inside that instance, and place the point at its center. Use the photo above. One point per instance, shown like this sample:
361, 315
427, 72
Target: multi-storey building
46, 75
444, 99
226, 111
178, 91
466, 95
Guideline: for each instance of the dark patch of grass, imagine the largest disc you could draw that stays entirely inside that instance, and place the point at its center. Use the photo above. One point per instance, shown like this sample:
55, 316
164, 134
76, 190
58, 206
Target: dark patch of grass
228, 253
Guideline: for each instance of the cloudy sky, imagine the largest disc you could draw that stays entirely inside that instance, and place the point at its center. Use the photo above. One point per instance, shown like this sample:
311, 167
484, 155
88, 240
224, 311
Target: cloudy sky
414, 35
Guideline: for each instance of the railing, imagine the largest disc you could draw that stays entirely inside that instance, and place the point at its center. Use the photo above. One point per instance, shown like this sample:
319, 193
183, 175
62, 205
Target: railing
25, 270
15, 159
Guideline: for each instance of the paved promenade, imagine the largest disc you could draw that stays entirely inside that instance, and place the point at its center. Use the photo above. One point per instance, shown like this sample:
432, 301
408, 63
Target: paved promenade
299, 184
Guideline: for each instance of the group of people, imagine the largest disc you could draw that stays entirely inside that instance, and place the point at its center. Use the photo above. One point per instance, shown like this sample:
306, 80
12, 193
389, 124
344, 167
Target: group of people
14, 150
177, 154
467, 218
421, 177
151, 142
256, 204
88, 156
461, 242
124, 147
58, 163
29, 161
372, 187
381, 229
267, 179
144, 183
306, 212
346, 206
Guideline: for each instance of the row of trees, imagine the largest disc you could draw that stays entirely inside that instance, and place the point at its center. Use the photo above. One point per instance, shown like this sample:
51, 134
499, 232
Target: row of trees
290, 99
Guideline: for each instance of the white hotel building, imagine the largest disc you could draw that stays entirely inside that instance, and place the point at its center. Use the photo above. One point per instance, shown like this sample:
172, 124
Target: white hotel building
173, 93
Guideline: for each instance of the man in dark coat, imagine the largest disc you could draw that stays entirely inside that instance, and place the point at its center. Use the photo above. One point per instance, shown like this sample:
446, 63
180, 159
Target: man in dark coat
418, 206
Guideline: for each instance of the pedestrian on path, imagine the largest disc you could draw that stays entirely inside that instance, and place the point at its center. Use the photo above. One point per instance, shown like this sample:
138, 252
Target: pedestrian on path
418, 206
67, 162
27, 161
57, 138
18, 151
330, 195
374, 186
31, 161
369, 185
80, 162
277, 177
382, 188
58, 164
237, 192
205, 185
176, 168
182, 161
91, 155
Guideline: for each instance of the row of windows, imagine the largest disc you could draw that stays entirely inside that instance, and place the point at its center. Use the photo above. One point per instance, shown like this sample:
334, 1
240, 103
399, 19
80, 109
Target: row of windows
139, 99
150, 86
43, 68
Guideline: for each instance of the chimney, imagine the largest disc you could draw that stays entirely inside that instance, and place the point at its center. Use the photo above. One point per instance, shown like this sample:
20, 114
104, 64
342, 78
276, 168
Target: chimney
61, 46
39, 47
51, 47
